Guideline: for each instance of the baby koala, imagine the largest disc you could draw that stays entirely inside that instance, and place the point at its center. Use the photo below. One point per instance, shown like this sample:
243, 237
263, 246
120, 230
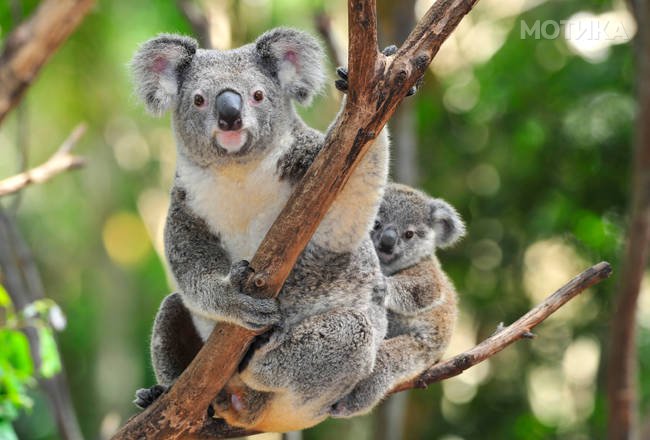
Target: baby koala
420, 300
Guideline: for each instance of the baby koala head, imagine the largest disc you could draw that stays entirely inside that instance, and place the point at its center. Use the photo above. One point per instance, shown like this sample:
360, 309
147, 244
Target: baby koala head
410, 225
228, 103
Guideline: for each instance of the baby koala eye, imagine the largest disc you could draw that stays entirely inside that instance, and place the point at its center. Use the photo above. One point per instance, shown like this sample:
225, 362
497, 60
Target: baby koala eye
258, 95
377, 225
408, 235
199, 100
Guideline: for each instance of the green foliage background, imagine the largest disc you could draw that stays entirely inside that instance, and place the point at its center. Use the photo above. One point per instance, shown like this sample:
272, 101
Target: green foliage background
532, 144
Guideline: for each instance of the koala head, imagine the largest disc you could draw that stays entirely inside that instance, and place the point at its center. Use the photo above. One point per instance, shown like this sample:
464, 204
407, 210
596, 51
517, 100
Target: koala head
410, 225
233, 103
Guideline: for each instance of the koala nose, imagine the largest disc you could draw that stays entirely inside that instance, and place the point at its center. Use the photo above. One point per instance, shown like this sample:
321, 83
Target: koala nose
388, 240
229, 105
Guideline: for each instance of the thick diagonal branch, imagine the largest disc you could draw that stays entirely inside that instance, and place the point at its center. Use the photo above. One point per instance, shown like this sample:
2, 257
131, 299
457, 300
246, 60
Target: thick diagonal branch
373, 97
60, 161
31, 44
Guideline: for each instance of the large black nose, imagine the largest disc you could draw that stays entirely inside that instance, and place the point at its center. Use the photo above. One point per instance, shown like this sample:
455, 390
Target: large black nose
388, 240
229, 110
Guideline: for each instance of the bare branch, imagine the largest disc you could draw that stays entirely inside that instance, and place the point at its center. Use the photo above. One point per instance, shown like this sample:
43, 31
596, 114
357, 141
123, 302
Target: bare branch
61, 161
517, 330
32, 43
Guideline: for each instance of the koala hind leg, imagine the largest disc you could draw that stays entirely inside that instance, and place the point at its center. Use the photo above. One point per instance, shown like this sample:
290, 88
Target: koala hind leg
321, 357
399, 359
174, 343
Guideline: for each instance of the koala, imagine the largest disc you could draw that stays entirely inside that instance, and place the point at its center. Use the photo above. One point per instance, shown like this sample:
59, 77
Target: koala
241, 148
420, 300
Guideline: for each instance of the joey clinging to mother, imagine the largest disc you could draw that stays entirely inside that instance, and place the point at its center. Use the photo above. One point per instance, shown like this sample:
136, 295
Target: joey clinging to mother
241, 148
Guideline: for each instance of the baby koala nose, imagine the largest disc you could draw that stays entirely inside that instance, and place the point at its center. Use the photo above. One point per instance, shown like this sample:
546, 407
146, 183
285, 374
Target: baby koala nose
388, 240
229, 105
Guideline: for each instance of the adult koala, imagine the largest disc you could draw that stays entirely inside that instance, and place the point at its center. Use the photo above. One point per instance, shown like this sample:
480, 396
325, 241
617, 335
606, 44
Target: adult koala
241, 148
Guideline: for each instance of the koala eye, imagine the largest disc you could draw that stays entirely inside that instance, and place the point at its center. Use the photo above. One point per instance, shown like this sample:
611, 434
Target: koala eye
258, 95
408, 235
199, 100
377, 225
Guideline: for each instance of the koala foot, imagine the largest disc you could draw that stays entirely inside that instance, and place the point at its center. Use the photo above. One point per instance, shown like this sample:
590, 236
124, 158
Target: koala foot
359, 401
146, 396
251, 312
238, 404
341, 84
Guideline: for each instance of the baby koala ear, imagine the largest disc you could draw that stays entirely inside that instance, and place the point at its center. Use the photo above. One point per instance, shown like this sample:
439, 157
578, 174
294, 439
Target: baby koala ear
296, 59
446, 223
157, 69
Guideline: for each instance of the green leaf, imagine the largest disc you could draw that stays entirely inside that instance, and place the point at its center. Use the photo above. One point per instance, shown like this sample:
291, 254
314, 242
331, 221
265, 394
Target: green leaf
5, 300
50, 362
7, 431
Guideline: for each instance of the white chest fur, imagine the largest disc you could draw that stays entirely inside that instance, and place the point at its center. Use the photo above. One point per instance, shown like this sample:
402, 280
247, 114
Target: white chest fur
239, 202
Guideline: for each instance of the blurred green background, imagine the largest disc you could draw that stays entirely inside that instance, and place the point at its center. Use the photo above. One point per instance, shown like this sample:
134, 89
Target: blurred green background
529, 138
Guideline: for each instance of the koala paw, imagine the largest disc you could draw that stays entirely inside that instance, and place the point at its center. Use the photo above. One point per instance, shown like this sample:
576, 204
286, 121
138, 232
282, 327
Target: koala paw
146, 396
341, 84
359, 401
248, 311
239, 273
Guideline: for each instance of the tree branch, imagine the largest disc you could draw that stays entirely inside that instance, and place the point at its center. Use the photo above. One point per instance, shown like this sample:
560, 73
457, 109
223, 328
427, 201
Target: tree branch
623, 360
24, 285
61, 161
198, 21
520, 329
373, 96
32, 43
506, 336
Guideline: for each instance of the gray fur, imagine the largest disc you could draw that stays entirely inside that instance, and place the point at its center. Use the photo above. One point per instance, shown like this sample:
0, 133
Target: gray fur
420, 299
326, 328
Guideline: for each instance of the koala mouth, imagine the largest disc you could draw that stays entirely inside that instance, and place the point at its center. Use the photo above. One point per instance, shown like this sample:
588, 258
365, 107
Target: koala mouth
232, 142
386, 257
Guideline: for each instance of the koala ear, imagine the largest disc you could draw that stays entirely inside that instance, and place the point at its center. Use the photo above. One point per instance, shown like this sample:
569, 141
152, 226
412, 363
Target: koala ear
157, 69
295, 58
446, 223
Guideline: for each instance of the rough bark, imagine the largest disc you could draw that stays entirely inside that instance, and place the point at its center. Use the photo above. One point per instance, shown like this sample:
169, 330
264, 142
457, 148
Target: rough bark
377, 85
623, 362
31, 44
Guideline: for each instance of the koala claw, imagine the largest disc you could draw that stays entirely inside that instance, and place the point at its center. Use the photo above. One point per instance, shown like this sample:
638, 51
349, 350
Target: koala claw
239, 273
146, 396
342, 85
389, 50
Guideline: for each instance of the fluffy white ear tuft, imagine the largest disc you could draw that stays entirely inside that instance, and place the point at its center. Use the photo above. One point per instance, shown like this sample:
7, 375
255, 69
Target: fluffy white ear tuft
446, 223
295, 58
157, 69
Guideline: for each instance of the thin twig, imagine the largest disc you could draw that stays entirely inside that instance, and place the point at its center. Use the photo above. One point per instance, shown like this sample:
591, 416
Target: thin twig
31, 44
60, 161
507, 335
